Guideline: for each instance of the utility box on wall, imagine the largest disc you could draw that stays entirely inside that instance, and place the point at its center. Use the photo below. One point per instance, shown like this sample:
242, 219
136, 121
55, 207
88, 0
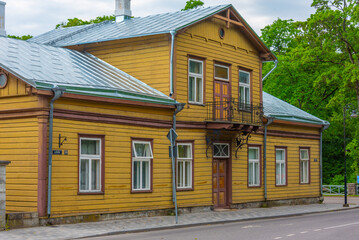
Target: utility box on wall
3, 165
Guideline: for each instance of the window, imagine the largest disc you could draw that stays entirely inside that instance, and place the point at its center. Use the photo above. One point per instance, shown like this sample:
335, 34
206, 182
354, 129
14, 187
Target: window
221, 72
184, 165
141, 165
244, 89
304, 165
280, 168
253, 166
91, 164
221, 150
195, 81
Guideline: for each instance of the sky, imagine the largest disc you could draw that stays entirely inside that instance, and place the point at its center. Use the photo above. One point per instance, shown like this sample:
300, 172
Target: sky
34, 17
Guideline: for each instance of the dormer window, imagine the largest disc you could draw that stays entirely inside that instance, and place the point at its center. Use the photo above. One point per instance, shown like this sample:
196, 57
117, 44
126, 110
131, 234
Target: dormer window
195, 81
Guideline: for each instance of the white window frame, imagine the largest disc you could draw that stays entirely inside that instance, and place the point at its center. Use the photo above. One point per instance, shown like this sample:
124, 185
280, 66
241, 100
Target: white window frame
141, 160
229, 150
184, 161
90, 158
195, 76
223, 66
301, 167
284, 168
245, 86
253, 163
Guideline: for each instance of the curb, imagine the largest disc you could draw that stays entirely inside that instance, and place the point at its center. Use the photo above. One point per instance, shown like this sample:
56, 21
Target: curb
213, 223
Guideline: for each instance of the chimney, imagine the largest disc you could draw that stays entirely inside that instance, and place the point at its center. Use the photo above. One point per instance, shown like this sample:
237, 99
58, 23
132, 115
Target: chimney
123, 10
2, 19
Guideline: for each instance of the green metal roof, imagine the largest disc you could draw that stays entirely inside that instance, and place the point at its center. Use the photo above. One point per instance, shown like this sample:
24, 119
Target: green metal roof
278, 109
45, 67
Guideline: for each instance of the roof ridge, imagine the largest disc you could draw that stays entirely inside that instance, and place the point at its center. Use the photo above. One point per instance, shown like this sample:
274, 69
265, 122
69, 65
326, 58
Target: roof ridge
89, 26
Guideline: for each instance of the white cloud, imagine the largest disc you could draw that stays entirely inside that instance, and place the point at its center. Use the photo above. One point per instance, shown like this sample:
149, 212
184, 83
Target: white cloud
38, 16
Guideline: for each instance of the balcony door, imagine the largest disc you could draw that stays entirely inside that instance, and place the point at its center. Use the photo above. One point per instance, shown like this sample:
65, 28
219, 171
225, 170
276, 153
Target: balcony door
222, 101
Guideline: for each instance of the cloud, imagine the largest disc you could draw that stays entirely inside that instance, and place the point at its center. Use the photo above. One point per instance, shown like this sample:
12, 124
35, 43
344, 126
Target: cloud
38, 16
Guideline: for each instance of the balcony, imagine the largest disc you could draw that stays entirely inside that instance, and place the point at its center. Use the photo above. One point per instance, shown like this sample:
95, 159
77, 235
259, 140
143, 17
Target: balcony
232, 113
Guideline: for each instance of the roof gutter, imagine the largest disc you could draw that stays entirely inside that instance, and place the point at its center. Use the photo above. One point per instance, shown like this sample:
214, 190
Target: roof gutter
179, 107
270, 121
275, 66
58, 92
173, 35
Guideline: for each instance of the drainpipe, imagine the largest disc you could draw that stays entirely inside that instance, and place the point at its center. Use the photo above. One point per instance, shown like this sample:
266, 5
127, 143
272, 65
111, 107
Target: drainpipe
325, 127
173, 35
275, 66
179, 107
270, 121
58, 92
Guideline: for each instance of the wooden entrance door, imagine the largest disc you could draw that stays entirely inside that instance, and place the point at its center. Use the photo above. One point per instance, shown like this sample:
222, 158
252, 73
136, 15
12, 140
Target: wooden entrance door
221, 99
219, 179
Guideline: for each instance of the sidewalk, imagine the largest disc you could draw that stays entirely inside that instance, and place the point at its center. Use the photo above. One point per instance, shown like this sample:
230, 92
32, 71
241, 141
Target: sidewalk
81, 230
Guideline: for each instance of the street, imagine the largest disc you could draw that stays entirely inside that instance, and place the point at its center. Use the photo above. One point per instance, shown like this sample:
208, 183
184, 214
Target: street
328, 226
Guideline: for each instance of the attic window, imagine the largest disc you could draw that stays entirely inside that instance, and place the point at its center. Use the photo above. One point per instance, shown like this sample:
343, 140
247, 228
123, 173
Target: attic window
3, 80
221, 33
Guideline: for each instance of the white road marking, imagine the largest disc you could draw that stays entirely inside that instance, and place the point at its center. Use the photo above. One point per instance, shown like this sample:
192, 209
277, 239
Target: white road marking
344, 225
316, 230
251, 226
278, 238
304, 232
290, 235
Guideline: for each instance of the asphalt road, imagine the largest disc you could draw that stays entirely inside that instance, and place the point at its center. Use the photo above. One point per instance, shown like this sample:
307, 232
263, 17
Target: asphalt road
329, 226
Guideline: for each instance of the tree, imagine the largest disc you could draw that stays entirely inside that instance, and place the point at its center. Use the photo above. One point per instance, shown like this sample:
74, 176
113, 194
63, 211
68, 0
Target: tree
77, 22
24, 37
318, 72
191, 4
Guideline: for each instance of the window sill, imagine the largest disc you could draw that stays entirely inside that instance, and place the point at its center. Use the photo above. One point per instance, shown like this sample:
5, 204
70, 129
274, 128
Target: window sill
254, 186
90, 193
141, 191
197, 104
304, 183
184, 189
281, 185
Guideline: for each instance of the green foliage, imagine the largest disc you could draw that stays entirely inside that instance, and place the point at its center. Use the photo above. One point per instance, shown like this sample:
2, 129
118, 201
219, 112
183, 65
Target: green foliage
77, 22
25, 37
191, 4
318, 71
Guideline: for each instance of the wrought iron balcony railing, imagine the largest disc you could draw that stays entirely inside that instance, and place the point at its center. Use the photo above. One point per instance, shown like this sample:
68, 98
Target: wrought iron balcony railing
233, 111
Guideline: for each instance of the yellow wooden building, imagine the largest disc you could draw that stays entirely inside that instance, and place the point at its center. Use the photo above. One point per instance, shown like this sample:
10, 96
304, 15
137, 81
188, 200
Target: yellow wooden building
87, 112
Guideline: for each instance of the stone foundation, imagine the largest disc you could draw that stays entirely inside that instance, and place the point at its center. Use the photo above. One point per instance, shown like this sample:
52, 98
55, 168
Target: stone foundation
18, 220
276, 203
3, 194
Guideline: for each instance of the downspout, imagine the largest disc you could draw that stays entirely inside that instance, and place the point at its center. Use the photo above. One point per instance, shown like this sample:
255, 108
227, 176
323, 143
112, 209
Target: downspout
173, 35
270, 121
275, 66
325, 127
179, 107
58, 92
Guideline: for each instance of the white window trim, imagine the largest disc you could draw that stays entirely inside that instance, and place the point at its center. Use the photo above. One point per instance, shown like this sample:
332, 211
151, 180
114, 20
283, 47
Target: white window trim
245, 85
218, 78
195, 75
229, 150
285, 167
253, 161
304, 160
141, 160
91, 158
185, 160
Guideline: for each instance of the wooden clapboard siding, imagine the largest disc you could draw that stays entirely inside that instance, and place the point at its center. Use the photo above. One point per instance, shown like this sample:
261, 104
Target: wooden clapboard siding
242, 193
14, 87
118, 196
202, 40
145, 58
114, 109
19, 144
